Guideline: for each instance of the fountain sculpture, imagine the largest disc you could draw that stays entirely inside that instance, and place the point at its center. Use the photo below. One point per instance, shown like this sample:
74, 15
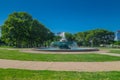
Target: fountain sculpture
63, 45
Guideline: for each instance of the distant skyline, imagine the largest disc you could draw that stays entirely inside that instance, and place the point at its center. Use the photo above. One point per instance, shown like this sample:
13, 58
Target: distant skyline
67, 15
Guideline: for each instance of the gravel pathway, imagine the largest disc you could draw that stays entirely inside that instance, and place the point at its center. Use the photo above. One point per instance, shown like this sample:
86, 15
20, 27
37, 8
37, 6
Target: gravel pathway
61, 66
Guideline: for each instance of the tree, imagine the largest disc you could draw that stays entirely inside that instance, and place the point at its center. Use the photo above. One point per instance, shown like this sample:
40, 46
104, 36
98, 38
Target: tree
80, 38
117, 42
69, 37
95, 37
56, 38
21, 30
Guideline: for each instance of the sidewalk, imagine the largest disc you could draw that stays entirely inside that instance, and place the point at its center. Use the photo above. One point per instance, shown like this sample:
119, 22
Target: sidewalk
61, 66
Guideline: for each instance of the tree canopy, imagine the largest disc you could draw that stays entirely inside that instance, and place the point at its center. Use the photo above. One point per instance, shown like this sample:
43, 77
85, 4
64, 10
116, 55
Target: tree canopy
95, 37
69, 36
21, 30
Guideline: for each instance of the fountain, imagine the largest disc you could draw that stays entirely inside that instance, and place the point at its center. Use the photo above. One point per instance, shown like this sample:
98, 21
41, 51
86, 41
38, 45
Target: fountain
63, 45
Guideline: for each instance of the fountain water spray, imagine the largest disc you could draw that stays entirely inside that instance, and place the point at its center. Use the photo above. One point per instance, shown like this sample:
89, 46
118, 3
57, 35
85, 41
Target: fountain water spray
63, 45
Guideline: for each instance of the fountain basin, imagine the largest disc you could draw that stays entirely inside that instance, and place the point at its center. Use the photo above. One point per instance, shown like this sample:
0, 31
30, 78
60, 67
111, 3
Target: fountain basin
67, 50
65, 46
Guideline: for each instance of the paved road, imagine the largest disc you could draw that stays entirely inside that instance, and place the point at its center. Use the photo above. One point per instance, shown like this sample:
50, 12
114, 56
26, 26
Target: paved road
61, 66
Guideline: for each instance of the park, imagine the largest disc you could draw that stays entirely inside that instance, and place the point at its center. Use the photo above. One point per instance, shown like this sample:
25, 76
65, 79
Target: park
31, 51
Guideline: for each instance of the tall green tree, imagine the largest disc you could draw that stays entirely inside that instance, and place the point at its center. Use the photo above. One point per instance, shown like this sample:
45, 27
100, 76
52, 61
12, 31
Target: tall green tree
95, 37
21, 30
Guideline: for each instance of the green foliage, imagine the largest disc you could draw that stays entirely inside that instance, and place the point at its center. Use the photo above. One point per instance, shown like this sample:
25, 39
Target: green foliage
80, 38
16, 55
21, 30
70, 37
17, 74
117, 42
94, 37
56, 38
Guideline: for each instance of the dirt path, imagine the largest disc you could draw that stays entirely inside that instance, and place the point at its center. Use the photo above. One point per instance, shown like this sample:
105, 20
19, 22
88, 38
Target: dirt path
61, 66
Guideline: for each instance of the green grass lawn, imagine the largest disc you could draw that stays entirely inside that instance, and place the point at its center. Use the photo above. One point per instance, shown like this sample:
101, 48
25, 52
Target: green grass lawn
111, 50
16, 55
108, 49
5, 47
16, 74
115, 51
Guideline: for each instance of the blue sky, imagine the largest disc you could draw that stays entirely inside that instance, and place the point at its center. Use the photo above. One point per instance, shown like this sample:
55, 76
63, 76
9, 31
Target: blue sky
67, 15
